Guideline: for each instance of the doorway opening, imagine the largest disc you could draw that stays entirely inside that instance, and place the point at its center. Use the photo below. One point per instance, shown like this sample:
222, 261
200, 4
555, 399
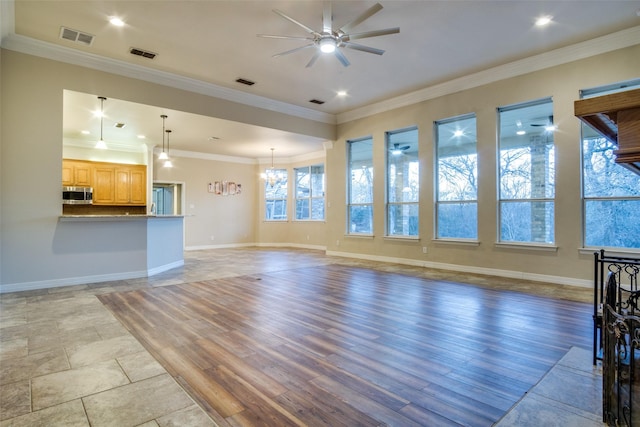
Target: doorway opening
168, 198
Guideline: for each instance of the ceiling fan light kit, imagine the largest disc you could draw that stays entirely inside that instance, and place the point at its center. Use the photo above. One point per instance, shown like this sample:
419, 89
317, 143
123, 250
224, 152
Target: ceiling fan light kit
332, 41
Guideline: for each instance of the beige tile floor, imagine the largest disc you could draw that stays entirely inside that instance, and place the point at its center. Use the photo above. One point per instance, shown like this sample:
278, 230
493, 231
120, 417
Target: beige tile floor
66, 361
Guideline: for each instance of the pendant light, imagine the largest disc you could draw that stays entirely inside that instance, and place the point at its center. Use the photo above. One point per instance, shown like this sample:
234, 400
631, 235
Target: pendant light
101, 145
163, 155
167, 163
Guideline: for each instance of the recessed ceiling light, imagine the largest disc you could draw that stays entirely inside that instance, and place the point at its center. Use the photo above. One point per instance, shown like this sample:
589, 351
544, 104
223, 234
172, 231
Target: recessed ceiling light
342, 93
142, 137
114, 20
520, 132
85, 132
543, 20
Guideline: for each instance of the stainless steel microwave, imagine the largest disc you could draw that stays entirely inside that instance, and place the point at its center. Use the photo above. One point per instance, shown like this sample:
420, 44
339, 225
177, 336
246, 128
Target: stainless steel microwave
77, 195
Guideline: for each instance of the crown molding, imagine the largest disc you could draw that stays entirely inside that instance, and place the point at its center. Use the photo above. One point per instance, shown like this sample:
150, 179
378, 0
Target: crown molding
242, 160
207, 156
55, 52
597, 46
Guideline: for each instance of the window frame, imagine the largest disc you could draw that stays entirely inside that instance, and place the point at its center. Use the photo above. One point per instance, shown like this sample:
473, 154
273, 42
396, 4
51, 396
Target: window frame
285, 174
312, 197
389, 205
437, 172
534, 201
351, 205
587, 200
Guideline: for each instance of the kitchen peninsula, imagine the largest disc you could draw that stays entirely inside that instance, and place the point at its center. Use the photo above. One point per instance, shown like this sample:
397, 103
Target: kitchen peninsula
123, 246
111, 234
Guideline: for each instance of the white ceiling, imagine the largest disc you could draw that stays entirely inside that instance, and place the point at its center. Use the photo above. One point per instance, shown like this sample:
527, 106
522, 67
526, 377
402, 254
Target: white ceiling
214, 41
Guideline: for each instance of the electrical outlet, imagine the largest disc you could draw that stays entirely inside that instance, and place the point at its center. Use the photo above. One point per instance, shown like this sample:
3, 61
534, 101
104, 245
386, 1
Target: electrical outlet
424, 249
337, 242
213, 237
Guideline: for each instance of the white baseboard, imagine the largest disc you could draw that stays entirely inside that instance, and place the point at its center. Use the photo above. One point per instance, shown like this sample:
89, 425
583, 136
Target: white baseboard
163, 268
225, 246
83, 280
291, 245
558, 280
70, 281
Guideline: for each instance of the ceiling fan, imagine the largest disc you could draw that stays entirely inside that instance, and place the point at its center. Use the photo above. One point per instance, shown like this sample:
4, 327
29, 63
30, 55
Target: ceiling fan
547, 123
329, 40
548, 126
397, 150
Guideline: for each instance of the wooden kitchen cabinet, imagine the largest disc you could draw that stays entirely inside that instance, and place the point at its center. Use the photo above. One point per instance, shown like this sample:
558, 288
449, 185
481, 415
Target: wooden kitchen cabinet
113, 183
76, 173
104, 188
130, 185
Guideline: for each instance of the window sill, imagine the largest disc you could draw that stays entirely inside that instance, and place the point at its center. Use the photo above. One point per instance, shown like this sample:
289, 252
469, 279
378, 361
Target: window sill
463, 242
403, 238
360, 236
527, 246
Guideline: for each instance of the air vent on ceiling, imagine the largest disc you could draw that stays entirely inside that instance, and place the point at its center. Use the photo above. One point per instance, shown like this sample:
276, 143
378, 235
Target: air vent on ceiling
76, 36
316, 101
245, 82
142, 52
119, 125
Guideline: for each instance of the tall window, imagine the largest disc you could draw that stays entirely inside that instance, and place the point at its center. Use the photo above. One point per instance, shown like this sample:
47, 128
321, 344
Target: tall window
309, 192
360, 191
457, 183
403, 182
275, 195
527, 172
611, 193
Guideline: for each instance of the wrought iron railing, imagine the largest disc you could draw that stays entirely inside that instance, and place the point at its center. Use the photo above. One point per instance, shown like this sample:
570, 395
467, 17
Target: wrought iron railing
617, 322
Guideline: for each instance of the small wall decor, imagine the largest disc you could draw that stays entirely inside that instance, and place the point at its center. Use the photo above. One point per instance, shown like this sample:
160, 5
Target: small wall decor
225, 188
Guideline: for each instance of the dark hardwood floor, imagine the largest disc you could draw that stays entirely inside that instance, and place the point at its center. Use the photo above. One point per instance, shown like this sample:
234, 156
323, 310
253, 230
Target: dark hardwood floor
337, 345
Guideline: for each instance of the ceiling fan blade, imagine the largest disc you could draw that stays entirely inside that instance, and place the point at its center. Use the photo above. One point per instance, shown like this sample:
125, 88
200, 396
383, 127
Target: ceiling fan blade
313, 59
288, 18
374, 33
362, 48
326, 17
269, 36
343, 59
293, 50
367, 14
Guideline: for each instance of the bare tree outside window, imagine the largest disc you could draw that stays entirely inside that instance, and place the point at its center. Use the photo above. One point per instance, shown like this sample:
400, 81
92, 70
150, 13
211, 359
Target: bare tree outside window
457, 183
527, 173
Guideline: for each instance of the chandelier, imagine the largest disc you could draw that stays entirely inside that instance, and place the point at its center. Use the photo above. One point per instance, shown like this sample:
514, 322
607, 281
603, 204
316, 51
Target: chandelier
270, 175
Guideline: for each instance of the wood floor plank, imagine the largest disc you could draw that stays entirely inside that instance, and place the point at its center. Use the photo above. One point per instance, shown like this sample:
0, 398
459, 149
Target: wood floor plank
334, 345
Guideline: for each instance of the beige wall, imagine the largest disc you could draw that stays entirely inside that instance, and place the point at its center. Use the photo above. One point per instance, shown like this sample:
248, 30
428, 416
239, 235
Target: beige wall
563, 84
309, 234
213, 220
31, 135
31, 153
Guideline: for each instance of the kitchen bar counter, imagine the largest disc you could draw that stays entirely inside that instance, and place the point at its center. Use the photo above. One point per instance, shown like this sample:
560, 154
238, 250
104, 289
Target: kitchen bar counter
72, 218
116, 247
